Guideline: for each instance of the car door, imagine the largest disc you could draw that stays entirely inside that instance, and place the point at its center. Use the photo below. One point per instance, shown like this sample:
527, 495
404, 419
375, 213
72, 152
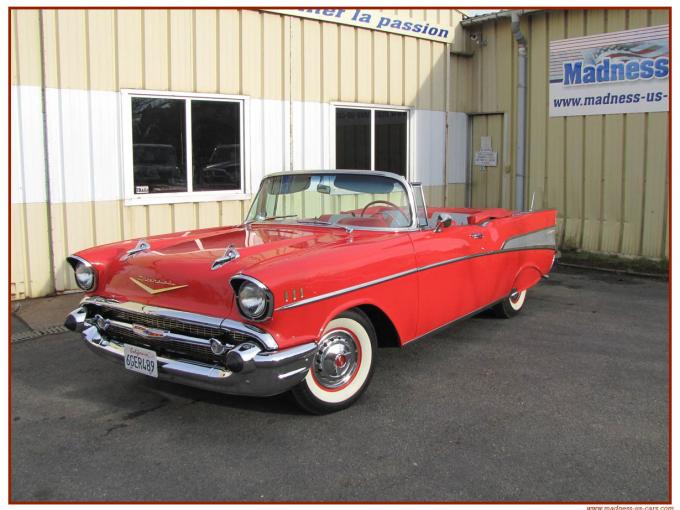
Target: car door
451, 275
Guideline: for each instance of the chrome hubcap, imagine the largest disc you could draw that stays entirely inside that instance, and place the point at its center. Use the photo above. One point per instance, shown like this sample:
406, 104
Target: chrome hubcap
336, 359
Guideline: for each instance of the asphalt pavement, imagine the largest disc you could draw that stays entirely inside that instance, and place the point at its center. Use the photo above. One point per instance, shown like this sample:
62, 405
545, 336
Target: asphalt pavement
566, 402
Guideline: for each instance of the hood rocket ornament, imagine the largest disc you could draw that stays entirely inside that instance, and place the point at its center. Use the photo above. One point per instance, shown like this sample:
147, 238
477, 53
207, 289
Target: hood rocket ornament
230, 254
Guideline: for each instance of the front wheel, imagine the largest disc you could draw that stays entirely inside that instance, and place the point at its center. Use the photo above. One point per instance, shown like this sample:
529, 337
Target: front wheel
342, 366
511, 305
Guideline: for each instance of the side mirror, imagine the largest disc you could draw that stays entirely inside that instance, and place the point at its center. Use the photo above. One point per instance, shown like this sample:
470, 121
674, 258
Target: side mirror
442, 223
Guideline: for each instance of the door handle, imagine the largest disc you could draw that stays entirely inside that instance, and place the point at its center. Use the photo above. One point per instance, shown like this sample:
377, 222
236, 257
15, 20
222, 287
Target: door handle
476, 235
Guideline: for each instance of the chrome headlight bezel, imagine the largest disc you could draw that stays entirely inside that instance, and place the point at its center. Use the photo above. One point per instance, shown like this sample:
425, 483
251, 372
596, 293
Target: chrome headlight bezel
263, 312
79, 263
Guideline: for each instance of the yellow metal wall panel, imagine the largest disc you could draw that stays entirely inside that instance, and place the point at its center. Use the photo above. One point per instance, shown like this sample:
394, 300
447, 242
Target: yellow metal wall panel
573, 188
231, 213
438, 77
347, 69
656, 187
272, 66
364, 71
26, 54
381, 68
411, 77
537, 113
160, 219
73, 49
102, 49
633, 171
295, 50
205, 26
182, 63
14, 39
229, 44
424, 92
311, 67
395, 74
456, 195
108, 216
184, 217
156, 50
130, 49
31, 273
330, 63
251, 53
135, 221
208, 214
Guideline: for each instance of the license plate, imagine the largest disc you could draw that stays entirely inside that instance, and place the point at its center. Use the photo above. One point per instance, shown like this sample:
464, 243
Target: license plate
140, 360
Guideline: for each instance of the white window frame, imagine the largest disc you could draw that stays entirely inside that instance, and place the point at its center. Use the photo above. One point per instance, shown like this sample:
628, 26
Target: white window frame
372, 107
190, 195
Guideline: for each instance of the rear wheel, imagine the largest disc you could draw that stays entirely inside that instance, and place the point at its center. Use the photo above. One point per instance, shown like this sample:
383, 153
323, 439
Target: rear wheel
511, 305
342, 366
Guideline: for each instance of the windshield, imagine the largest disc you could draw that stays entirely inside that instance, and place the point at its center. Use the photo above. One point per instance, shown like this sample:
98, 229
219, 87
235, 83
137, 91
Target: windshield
343, 200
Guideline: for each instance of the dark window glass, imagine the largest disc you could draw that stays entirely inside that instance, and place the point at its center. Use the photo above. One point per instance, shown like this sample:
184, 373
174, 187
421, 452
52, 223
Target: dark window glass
390, 141
352, 139
158, 133
216, 145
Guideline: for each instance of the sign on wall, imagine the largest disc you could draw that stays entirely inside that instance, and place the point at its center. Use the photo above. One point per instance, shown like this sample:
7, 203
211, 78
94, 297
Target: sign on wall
375, 20
617, 72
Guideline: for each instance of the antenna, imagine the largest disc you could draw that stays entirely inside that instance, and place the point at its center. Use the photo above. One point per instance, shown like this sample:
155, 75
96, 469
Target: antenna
531, 207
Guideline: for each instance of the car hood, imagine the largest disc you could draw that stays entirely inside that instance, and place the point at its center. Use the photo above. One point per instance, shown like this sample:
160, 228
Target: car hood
176, 272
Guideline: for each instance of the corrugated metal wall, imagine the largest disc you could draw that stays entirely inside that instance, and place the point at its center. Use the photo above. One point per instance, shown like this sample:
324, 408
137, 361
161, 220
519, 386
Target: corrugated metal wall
90, 55
607, 175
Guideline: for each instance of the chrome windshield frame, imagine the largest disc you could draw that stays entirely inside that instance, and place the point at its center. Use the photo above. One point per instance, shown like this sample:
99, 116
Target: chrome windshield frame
401, 180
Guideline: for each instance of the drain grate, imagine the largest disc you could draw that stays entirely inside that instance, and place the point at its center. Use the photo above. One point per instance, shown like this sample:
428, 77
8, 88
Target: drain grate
37, 333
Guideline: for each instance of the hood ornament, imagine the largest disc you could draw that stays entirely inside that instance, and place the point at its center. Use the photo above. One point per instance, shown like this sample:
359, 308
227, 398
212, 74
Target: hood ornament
142, 245
230, 254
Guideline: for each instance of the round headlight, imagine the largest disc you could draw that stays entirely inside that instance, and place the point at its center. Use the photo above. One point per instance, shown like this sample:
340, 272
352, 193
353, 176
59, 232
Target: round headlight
85, 276
252, 300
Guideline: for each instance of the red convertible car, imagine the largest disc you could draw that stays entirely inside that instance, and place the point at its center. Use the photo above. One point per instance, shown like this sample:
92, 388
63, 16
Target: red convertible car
327, 267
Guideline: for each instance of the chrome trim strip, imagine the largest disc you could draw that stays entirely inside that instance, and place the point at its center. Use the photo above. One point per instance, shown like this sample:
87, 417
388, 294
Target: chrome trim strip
406, 273
262, 336
346, 290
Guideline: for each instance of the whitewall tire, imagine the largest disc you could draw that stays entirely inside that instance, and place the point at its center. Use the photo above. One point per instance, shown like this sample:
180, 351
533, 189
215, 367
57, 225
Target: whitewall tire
511, 305
342, 366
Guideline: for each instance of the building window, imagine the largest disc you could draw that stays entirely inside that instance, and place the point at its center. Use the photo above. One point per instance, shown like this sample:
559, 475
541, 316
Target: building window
368, 138
184, 148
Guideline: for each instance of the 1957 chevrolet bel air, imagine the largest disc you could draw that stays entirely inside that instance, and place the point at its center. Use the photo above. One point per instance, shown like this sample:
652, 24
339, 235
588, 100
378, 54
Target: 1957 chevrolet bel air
327, 267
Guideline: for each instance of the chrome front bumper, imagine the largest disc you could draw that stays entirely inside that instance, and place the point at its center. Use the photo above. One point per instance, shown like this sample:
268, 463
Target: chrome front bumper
264, 373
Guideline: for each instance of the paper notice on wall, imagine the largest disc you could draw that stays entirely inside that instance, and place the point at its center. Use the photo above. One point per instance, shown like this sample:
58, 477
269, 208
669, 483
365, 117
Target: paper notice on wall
486, 156
486, 143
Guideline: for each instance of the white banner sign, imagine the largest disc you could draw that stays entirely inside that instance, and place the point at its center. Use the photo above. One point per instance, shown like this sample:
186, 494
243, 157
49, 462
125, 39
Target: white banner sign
376, 21
617, 72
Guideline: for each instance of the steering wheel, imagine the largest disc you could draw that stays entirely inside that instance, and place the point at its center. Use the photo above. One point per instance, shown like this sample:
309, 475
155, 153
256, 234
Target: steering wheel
385, 202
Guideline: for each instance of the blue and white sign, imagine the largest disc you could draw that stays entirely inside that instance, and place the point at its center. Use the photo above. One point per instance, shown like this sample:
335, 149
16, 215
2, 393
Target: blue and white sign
617, 72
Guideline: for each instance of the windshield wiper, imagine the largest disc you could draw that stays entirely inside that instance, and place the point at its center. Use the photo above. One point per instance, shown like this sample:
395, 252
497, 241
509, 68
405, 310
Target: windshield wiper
322, 222
268, 218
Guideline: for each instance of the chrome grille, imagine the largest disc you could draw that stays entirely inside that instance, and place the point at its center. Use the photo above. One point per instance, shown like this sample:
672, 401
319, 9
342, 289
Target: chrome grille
162, 345
165, 323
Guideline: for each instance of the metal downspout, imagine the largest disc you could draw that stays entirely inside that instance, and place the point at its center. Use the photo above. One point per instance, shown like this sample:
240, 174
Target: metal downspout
521, 110
446, 126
